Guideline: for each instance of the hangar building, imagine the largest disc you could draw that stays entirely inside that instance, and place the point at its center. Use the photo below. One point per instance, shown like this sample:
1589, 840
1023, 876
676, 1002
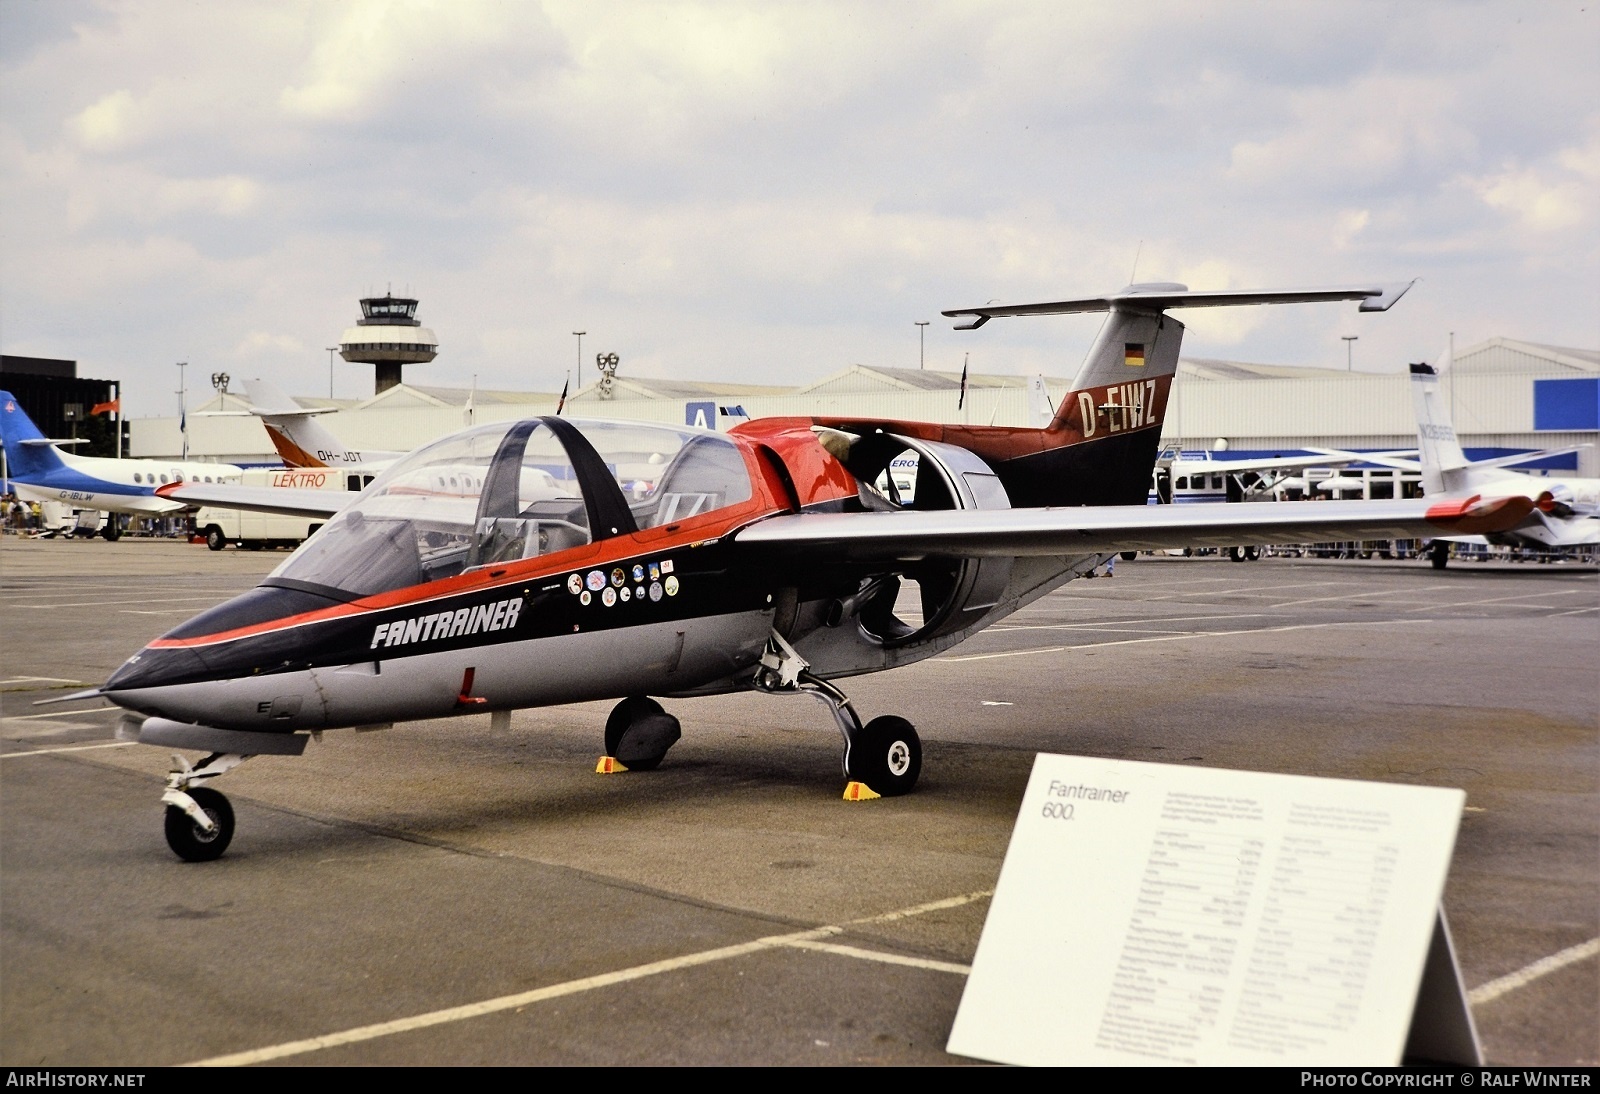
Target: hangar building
1508, 396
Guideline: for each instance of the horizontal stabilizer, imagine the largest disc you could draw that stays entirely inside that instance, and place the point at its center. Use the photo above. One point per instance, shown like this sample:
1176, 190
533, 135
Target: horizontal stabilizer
284, 500
1163, 295
50, 442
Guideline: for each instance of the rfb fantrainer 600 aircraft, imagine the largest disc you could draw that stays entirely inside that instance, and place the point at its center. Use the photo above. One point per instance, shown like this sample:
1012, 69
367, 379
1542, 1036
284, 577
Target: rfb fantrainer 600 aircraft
40, 471
554, 561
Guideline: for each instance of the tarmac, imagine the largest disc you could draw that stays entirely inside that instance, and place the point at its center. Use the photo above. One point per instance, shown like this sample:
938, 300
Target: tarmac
439, 893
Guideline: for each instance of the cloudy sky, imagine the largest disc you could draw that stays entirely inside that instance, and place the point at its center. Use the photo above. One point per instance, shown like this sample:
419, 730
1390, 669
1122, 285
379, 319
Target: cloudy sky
773, 191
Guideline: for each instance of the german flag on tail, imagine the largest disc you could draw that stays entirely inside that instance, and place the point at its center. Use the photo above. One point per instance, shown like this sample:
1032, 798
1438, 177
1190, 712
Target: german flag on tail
1133, 354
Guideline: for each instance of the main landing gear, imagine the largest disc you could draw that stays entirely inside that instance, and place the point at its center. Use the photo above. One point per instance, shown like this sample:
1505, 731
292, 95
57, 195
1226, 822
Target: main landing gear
199, 820
885, 754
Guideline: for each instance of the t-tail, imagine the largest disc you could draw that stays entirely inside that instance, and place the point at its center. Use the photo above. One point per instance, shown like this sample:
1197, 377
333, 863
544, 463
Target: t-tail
29, 453
1445, 468
1100, 446
300, 440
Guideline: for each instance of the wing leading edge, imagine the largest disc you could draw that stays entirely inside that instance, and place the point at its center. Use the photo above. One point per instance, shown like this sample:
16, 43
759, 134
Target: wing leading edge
909, 535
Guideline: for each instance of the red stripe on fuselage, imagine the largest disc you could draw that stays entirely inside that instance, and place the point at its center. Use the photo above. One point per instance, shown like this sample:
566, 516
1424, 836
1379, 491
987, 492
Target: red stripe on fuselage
678, 535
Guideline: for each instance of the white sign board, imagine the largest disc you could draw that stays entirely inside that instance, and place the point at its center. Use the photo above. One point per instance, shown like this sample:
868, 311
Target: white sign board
1152, 913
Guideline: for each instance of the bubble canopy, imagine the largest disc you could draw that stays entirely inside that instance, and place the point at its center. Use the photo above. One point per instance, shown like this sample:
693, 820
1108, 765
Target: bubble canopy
507, 491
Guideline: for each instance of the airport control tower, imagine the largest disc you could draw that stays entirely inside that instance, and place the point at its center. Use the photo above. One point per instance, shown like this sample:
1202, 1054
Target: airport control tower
388, 337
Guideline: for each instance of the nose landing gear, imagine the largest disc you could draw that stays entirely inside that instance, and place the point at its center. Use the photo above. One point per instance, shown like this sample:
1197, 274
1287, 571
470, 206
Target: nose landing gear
639, 732
199, 820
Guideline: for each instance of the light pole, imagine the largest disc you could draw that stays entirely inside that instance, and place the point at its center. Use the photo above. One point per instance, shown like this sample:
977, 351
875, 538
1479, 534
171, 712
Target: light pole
331, 351
1348, 339
922, 353
580, 334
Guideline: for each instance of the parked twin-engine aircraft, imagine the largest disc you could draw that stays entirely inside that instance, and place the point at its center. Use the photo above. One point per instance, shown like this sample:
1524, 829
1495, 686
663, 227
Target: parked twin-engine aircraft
40, 471
550, 561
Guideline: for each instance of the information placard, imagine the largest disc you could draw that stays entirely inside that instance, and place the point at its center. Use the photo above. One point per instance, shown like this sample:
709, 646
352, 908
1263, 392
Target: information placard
1154, 913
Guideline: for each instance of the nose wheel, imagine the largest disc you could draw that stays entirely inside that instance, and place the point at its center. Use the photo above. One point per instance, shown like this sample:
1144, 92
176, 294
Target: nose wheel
199, 820
193, 842
639, 732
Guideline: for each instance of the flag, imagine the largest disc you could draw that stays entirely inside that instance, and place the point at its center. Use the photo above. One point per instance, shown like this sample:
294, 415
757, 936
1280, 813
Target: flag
113, 407
561, 402
1133, 354
961, 400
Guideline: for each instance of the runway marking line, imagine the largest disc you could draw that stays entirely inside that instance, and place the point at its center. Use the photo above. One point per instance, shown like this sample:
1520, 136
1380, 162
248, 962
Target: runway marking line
811, 939
1181, 637
69, 748
1494, 989
1122, 622
1364, 591
59, 714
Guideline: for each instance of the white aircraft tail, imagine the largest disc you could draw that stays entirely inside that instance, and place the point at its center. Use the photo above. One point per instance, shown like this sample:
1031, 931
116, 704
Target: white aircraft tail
1444, 465
299, 439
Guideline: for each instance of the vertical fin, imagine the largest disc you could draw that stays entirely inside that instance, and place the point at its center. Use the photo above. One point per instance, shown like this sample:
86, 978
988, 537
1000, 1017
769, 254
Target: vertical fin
1133, 345
1443, 461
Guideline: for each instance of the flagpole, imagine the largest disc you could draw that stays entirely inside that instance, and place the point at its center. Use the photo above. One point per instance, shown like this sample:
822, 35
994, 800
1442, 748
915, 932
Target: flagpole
116, 417
183, 405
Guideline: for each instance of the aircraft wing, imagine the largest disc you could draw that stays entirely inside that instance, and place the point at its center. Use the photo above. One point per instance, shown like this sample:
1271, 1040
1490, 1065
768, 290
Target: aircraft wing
909, 535
284, 500
1325, 457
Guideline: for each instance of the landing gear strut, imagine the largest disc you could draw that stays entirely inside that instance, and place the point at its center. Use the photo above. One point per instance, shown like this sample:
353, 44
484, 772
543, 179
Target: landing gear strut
1439, 554
885, 754
199, 821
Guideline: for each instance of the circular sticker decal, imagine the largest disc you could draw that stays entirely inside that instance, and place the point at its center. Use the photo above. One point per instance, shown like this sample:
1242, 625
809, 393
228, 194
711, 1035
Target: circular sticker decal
625, 594
638, 572
597, 580
585, 597
655, 572
609, 597
618, 577
672, 586
655, 590
575, 584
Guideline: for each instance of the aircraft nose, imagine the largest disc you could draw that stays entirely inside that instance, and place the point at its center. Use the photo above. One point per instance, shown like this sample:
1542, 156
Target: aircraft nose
154, 667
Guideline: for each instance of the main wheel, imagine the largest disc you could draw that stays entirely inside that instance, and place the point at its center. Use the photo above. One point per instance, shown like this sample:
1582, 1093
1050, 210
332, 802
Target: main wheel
1129, 556
188, 840
887, 756
112, 531
639, 732
215, 539
1439, 554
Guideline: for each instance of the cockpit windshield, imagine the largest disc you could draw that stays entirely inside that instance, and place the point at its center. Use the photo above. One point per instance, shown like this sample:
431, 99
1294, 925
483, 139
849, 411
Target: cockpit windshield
514, 490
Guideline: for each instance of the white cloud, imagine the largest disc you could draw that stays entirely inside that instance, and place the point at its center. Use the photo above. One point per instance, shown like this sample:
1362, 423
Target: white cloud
108, 123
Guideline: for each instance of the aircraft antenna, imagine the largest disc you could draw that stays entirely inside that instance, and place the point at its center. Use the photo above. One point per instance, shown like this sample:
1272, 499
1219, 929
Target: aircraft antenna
1133, 275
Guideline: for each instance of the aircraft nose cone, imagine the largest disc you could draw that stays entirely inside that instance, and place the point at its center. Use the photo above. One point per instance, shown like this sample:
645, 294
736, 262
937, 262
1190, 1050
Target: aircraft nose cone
154, 667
